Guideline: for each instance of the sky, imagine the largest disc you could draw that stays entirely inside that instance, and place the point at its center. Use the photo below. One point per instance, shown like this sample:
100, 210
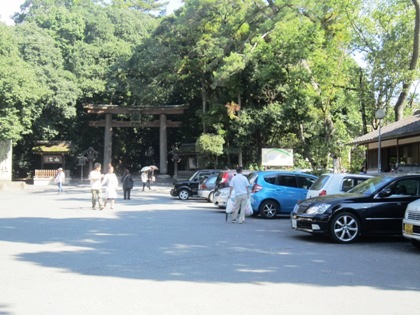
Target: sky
9, 7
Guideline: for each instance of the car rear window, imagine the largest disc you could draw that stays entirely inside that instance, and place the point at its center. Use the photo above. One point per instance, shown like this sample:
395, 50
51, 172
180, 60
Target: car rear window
223, 179
320, 182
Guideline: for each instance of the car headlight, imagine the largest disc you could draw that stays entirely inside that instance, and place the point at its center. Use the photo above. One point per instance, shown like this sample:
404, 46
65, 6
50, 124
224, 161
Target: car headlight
318, 208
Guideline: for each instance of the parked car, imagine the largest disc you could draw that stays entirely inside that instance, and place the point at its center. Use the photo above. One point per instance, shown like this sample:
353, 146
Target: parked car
224, 177
376, 206
221, 197
222, 186
277, 192
329, 184
411, 223
206, 188
187, 188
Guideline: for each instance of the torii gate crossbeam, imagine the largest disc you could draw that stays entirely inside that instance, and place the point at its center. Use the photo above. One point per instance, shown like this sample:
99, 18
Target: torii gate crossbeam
162, 123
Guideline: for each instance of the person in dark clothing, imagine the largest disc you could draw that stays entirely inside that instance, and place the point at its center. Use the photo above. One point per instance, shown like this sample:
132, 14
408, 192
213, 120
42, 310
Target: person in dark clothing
127, 183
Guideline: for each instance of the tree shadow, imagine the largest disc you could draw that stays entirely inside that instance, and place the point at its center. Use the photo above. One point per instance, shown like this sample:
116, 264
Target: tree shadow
155, 238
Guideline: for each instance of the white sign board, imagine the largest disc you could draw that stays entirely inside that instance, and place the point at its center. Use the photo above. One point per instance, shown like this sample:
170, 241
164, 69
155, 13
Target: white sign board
277, 157
6, 160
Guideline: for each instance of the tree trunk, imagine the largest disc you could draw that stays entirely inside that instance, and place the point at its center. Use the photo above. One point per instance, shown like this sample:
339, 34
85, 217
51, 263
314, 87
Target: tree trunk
240, 161
362, 103
204, 100
399, 106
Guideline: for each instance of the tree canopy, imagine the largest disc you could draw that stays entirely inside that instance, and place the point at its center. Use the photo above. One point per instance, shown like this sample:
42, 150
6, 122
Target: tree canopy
255, 73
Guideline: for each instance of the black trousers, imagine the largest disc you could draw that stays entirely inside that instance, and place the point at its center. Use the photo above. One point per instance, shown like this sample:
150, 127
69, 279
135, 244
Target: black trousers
127, 192
147, 184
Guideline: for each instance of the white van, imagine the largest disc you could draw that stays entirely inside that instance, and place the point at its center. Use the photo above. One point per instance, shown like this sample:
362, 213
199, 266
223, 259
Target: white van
328, 184
411, 223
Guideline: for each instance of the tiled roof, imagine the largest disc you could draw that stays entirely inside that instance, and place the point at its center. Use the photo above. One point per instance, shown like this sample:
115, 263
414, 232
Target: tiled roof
52, 147
409, 126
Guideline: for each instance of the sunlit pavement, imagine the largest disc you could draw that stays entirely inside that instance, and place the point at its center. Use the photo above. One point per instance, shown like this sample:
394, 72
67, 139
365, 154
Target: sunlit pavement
155, 254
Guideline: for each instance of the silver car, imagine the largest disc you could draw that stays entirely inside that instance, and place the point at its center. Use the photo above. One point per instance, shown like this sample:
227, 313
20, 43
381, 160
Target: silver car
411, 223
329, 184
206, 188
221, 197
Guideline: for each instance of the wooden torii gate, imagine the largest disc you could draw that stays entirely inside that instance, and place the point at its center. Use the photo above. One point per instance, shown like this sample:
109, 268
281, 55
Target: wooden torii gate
162, 123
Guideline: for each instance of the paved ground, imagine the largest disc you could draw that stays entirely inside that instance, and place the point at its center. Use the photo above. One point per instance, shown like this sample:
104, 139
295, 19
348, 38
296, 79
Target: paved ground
156, 254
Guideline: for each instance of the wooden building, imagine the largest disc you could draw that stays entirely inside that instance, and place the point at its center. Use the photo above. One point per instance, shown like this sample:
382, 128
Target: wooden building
399, 146
53, 155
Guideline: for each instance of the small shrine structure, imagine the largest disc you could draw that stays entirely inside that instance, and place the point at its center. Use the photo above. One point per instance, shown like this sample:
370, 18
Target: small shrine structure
52, 155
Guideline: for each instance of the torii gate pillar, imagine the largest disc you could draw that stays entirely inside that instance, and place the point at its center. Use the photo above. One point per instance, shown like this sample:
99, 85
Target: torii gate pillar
163, 123
107, 142
163, 146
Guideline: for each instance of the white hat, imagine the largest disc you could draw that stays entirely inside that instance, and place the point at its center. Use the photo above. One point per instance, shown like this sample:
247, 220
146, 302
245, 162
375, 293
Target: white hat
60, 169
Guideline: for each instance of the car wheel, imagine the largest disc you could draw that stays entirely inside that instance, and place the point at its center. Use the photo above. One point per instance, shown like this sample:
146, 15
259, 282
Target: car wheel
269, 209
211, 197
416, 243
344, 227
183, 194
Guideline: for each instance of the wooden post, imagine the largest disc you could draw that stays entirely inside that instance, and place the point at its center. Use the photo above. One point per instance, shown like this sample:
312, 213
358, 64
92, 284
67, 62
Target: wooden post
108, 142
162, 123
163, 154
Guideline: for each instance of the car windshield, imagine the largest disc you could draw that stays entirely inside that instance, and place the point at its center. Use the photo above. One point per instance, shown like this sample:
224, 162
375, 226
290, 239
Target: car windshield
371, 185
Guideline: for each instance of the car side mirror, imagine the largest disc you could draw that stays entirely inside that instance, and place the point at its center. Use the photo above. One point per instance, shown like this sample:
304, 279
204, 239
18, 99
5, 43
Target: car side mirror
385, 193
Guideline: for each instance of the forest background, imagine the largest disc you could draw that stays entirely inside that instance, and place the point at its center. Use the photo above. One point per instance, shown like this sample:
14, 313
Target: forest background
295, 74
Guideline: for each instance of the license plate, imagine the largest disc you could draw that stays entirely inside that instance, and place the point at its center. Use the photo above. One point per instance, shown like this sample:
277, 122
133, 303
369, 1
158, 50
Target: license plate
294, 223
408, 228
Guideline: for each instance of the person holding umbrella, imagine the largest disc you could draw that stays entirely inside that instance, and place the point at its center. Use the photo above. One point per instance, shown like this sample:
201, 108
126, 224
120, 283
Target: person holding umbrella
152, 177
145, 176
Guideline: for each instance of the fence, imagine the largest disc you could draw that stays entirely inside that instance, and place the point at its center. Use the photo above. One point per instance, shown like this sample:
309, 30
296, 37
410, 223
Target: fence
45, 173
46, 177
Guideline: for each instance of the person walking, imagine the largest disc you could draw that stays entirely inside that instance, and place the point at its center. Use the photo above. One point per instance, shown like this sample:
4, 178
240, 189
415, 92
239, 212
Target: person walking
150, 178
145, 179
59, 179
110, 182
127, 183
240, 184
95, 178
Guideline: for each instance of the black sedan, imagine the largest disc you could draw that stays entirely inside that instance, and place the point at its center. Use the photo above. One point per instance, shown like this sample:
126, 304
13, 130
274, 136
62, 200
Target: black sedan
376, 206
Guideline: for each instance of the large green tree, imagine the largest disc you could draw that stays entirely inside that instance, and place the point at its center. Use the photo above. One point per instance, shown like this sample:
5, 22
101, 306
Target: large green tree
386, 38
257, 73
20, 90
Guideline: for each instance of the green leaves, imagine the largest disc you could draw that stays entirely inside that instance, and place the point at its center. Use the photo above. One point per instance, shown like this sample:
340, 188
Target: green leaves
210, 146
20, 90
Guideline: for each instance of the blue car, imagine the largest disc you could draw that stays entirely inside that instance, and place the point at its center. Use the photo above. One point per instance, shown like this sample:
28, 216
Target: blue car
277, 192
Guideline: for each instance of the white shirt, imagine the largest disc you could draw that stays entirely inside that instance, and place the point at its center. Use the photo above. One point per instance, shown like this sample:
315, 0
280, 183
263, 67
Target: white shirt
95, 179
60, 177
240, 184
144, 177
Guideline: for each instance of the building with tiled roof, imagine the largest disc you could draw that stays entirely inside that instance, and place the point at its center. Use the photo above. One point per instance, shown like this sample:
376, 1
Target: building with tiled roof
400, 145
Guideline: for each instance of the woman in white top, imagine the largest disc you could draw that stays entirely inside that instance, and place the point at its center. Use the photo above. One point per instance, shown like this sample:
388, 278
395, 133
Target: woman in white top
145, 179
110, 182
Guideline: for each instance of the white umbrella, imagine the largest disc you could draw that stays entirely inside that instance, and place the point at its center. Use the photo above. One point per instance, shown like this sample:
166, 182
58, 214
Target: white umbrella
145, 169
